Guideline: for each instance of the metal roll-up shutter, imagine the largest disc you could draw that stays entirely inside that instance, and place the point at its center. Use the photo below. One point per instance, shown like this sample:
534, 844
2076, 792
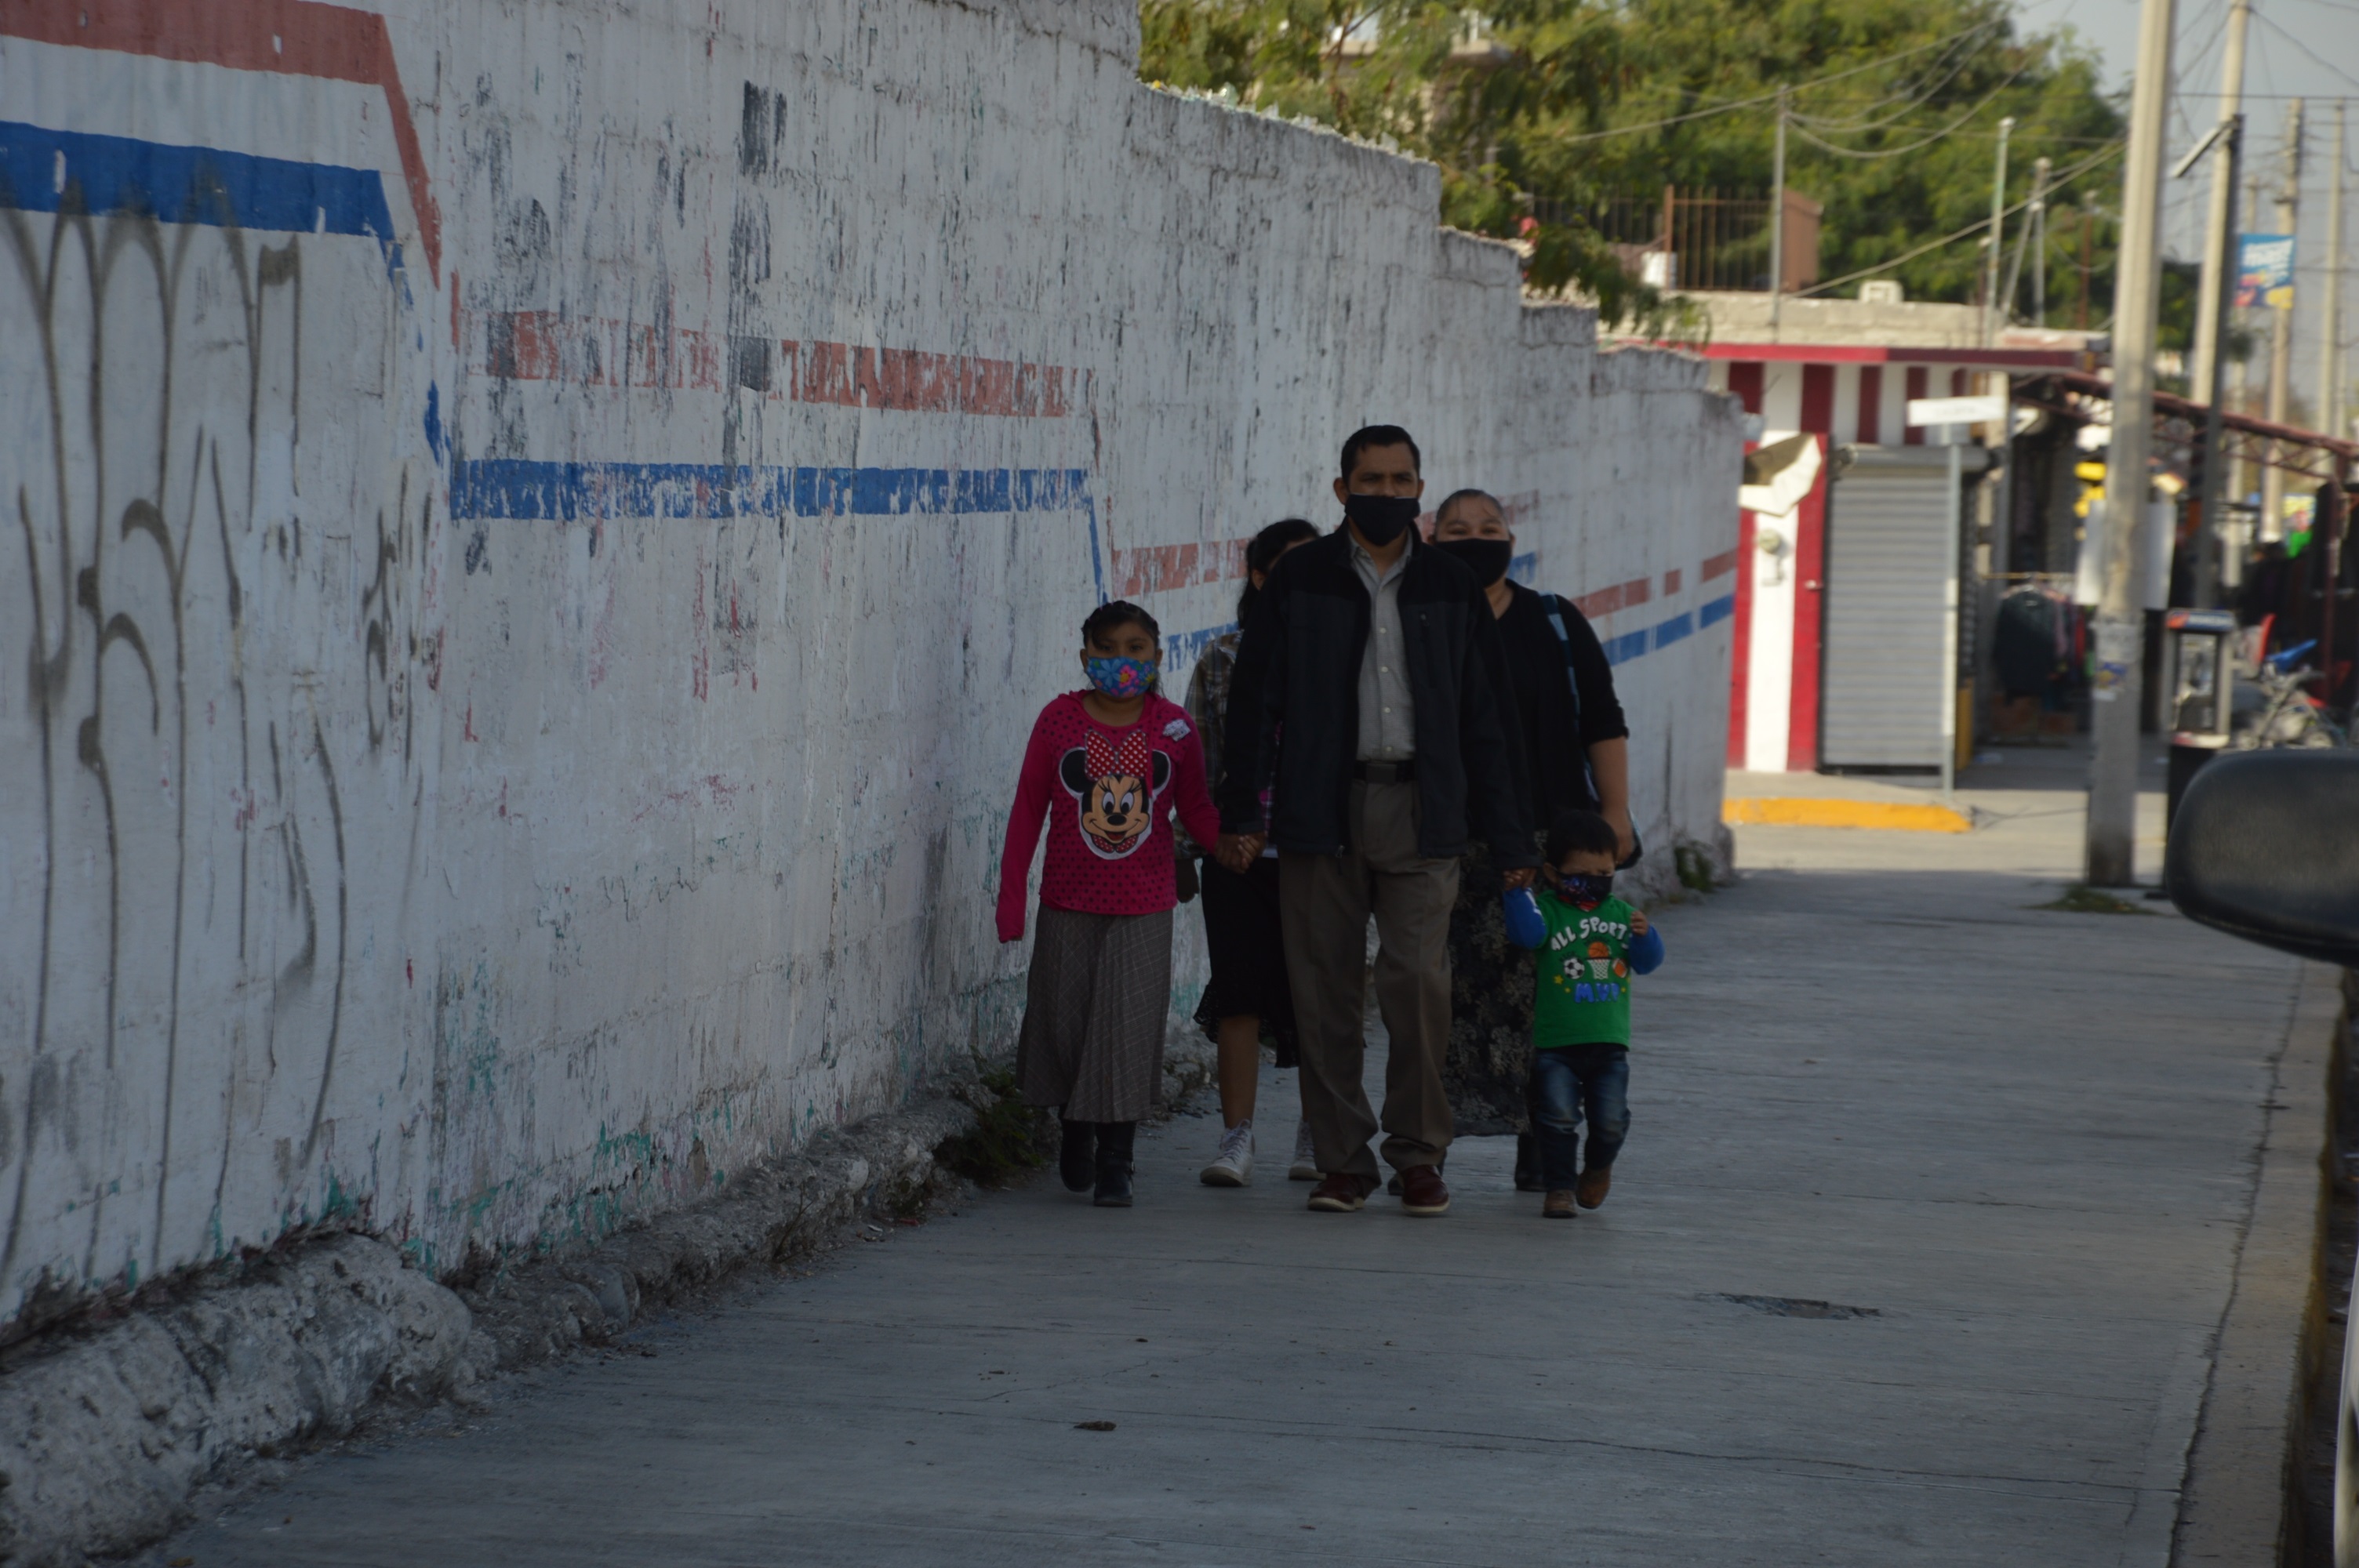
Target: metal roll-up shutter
1886, 639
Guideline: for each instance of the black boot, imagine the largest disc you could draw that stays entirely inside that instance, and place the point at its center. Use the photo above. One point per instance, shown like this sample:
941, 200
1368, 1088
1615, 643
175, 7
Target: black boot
1076, 1159
1113, 1164
1528, 1165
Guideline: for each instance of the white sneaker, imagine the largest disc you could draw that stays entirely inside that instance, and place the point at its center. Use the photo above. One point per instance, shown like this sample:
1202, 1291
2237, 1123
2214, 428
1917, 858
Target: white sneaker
1306, 1158
1232, 1166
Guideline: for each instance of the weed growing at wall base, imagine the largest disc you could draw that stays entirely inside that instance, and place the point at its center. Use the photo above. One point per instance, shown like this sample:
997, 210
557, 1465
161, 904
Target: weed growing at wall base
1009, 1139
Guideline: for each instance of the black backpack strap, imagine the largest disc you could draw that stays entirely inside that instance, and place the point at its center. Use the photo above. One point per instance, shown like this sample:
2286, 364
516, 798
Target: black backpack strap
1554, 607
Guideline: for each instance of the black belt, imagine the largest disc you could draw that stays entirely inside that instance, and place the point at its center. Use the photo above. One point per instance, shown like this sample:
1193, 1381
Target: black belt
1386, 772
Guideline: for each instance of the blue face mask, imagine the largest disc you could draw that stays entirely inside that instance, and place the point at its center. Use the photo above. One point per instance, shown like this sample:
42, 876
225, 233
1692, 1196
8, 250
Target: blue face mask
1121, 678
1585, 888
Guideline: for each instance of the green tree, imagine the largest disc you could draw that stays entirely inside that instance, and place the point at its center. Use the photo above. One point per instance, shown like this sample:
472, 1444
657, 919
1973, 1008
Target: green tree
1541, 112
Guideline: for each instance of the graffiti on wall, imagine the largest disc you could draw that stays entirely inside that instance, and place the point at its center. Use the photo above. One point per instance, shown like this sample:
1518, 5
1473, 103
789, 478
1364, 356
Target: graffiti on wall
212, 641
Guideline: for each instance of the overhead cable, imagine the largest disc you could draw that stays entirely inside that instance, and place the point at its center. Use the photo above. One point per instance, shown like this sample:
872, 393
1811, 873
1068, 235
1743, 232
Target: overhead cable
2055, 180
1771, 97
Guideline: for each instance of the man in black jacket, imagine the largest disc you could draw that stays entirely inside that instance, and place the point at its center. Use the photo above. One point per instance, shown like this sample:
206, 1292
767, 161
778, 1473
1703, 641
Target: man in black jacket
1361, 692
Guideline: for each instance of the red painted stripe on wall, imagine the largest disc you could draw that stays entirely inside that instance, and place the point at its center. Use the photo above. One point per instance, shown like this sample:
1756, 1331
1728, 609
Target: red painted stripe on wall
1722, 564
1620, 595
1156, 568
588, 350
289, 38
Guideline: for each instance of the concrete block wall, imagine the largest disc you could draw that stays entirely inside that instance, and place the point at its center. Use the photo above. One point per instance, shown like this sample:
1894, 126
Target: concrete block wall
539, 531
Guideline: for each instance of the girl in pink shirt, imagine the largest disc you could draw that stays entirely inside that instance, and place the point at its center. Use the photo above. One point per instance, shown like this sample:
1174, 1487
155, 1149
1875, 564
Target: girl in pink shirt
1106, 767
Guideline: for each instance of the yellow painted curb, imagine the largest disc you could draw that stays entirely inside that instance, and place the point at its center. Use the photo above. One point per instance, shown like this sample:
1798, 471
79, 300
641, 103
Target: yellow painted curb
1797, 811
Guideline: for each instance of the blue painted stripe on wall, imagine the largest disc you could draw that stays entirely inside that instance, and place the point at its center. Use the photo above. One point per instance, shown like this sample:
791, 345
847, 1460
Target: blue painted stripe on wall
43, 170
1716, 611
1623, 649
519, 490
1670, 632
1186, 647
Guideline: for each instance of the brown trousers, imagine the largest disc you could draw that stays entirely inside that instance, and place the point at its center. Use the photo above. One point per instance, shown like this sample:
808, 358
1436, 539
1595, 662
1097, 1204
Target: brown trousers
1324, 902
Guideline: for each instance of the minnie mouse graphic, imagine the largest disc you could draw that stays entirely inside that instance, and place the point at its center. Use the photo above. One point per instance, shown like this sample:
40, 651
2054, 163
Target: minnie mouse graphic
1114, 785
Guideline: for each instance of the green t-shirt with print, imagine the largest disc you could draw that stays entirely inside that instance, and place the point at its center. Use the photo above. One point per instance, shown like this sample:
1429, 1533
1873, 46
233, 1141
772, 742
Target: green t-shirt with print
1583, 975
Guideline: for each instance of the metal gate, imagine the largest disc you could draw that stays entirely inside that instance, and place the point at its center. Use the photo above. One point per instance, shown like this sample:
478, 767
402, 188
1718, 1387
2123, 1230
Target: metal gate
1889, 692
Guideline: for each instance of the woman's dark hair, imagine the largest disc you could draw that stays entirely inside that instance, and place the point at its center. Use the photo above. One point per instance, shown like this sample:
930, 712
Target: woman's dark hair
1457, 496
1116, 614
1581, 833
1262, 553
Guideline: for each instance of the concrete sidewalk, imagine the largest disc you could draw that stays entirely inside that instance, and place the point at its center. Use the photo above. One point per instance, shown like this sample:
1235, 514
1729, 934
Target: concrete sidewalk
1926, 1226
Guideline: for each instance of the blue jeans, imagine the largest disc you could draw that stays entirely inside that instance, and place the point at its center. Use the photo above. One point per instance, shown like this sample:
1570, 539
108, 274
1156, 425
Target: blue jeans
1566, 1081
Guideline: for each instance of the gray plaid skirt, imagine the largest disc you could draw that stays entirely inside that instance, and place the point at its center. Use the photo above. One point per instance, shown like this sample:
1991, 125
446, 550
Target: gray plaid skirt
1094, 1011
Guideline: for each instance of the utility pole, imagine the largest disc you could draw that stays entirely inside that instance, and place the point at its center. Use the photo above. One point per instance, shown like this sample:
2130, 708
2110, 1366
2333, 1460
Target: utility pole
1993, 311
2213, 547
2219, 250
2240, 372
2281, 330
2112, 843
2040, 243
2330, 416
2088, 262
1777, 223
2023, 235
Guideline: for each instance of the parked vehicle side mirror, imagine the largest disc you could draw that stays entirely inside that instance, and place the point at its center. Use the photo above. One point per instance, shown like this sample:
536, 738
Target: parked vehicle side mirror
2266, 847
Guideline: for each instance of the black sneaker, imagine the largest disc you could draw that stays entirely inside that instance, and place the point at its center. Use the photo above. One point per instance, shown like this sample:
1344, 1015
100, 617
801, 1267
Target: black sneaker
1077, 1159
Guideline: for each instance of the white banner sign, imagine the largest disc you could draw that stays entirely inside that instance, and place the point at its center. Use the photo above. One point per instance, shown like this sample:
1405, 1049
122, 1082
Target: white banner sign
1982, 410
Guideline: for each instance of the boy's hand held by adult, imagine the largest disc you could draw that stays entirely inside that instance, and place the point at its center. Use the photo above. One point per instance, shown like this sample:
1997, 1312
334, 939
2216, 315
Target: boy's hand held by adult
1521, 877
1637, 923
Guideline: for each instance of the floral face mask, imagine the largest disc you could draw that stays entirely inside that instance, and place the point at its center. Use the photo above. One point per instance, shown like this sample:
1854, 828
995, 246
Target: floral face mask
1121, 678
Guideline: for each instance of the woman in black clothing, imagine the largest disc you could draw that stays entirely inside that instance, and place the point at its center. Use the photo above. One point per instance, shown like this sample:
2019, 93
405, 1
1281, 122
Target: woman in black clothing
1575, 754
1248, 995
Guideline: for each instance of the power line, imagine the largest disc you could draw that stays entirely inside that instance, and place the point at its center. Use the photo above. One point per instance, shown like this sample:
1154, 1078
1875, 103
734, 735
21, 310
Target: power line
2263, 18
2055, 180
1965, 57
1808, 136
1772, 97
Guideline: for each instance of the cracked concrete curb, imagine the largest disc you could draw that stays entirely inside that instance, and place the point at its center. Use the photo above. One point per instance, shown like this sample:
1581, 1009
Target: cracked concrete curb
104, 1441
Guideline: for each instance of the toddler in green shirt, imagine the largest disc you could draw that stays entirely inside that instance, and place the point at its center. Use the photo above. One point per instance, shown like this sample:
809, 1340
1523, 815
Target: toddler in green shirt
1590, 945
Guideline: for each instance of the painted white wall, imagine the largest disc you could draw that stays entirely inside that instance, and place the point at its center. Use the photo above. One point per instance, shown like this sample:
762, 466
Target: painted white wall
488, 747
1769, 667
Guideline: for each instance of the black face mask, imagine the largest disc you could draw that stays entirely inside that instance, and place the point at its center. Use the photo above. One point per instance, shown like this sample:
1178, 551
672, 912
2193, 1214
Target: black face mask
1581, 887
1486, 559
1381, 519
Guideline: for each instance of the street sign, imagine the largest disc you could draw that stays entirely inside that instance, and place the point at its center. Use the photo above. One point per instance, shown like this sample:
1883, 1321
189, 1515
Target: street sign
1987, 409
2265, 271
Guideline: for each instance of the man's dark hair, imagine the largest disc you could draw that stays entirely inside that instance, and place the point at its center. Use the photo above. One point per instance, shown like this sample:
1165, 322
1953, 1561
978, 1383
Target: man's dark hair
1581, 833
1380, 436
1263, 553
1455, 496
1116, 614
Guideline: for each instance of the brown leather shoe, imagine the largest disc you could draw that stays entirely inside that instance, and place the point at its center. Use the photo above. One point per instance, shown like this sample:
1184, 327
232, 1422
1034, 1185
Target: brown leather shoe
1339, 1193
1594, 1183
1423, 1193
1558, 1204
